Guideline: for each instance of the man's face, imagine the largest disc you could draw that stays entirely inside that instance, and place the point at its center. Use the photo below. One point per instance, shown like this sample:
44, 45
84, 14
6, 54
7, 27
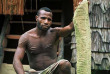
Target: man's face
44, 20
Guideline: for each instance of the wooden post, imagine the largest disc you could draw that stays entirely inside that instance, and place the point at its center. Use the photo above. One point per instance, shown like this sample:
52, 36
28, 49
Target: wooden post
61, 49
6, 21
61, 43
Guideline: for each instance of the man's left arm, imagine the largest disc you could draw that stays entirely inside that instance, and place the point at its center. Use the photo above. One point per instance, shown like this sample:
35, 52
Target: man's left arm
62, 32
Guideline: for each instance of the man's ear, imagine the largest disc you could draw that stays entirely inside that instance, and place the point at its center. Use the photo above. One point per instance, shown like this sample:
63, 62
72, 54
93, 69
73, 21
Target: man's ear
36, 17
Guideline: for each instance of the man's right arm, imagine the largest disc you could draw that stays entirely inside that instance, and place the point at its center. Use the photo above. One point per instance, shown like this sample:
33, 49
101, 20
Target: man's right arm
19, 54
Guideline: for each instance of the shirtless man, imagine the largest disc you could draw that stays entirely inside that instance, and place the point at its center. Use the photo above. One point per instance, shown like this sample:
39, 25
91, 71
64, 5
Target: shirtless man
40, 44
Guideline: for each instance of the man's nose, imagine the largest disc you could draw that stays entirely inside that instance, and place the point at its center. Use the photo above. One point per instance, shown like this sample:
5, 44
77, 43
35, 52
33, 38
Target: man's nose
46, 21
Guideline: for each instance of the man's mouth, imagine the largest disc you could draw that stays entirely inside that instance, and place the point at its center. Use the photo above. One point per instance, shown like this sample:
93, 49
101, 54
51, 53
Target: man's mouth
45, 26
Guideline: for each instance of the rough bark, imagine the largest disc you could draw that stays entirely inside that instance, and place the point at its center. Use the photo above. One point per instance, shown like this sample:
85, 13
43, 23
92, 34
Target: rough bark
83, 38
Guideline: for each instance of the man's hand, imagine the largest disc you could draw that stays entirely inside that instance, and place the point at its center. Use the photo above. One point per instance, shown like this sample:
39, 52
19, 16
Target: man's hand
79, 4
32, 71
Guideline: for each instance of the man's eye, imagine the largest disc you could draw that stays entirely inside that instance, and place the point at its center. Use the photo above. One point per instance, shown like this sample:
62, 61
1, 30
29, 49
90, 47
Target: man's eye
43, 18
49, 19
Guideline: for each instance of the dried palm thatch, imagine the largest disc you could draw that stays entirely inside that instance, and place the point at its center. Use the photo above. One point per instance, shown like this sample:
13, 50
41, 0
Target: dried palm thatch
0, 7
13, 7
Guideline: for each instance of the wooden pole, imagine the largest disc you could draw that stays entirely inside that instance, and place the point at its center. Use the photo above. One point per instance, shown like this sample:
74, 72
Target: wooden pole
6, 22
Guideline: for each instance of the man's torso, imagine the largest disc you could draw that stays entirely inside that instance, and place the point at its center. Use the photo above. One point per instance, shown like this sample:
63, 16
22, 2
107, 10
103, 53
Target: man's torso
41, 50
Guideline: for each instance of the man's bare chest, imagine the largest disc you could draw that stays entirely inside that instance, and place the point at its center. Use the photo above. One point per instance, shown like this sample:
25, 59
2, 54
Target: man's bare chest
41, 44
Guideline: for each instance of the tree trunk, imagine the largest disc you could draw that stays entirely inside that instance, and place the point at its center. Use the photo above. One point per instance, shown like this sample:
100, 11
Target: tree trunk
83, 38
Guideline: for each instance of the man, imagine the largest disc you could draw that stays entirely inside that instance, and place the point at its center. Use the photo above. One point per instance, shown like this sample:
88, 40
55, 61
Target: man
40, 44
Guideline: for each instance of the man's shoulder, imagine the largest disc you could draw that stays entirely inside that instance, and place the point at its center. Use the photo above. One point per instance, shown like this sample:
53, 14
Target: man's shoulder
55, 29
27, 33
31, 30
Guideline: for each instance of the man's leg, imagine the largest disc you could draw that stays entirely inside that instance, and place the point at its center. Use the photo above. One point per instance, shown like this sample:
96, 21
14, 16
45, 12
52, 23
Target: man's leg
64, 67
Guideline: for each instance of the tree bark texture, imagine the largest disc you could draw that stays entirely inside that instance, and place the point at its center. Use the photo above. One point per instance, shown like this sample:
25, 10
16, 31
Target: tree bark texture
83, 38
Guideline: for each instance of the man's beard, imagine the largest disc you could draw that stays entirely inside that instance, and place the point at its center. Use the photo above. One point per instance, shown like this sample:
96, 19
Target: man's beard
41, 28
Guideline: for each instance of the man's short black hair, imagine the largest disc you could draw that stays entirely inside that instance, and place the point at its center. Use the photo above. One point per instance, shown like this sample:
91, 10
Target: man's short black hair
44, 8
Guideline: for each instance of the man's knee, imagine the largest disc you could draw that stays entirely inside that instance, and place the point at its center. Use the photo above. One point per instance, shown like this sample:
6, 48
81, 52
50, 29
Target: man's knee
64, 65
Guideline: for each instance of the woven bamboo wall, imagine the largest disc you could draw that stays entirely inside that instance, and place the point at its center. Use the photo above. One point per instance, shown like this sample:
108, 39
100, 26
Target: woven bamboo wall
99, 11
